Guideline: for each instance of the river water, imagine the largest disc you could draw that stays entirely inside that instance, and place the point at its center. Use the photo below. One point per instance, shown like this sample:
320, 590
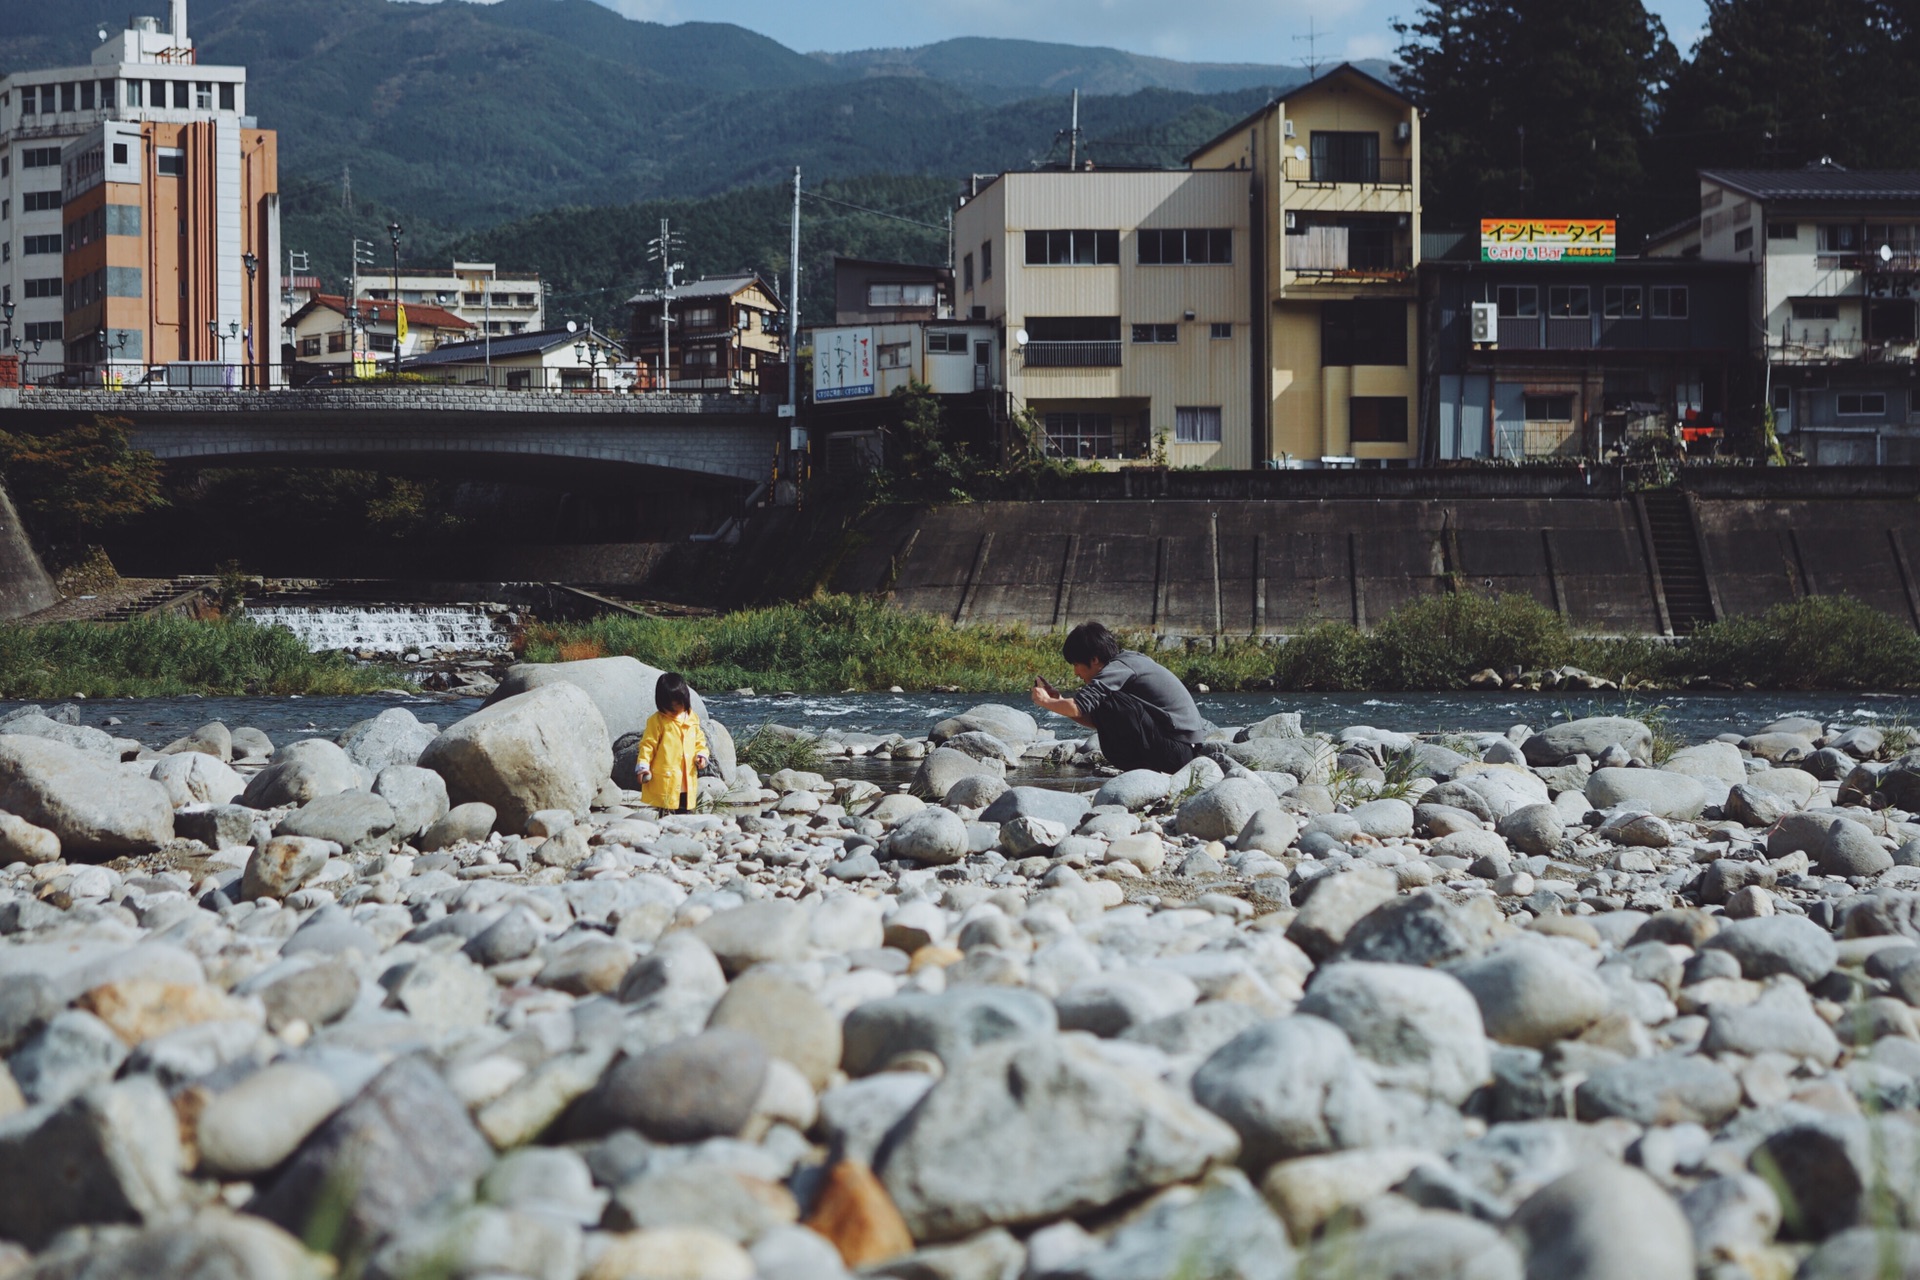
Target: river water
1693, 716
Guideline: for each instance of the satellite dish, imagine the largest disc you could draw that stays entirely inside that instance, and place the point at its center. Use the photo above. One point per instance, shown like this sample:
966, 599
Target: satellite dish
1020, 338
1886, 253
103, 35
572, 327
1299, 153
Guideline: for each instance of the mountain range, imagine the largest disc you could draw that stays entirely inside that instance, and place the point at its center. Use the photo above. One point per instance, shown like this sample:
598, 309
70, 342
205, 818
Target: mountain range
463, 120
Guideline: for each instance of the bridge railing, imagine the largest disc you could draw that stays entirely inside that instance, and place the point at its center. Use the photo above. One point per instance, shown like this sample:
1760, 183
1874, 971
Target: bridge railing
196, 375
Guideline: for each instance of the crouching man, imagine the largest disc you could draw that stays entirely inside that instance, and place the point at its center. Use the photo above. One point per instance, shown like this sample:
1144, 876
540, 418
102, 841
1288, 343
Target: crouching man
1145, 717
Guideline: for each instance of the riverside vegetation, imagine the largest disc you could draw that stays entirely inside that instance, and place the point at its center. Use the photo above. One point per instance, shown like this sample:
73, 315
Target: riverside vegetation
452, 1002
838, 643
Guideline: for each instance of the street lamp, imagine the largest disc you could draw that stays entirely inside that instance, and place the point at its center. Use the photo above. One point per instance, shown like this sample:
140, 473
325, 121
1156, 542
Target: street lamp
252, 264
108, 350
393, 230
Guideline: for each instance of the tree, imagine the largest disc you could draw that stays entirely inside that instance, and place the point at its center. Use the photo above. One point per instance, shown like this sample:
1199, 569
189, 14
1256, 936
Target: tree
80, 480
1535, 107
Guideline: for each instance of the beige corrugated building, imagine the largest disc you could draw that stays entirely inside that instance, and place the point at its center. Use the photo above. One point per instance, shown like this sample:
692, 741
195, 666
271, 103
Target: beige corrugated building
1255, 309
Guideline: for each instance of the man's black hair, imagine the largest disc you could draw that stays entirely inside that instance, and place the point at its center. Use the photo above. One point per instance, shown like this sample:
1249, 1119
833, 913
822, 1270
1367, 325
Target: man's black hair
670, 693
1090, 642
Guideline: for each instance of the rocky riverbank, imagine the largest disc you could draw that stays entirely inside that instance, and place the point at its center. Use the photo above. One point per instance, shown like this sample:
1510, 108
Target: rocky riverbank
451, 1001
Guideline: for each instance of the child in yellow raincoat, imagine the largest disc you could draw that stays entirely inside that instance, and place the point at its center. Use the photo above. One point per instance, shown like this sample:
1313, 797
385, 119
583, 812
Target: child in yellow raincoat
672, 749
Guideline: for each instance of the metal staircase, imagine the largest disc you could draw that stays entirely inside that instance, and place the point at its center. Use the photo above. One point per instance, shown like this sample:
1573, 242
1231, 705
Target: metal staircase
1676, 552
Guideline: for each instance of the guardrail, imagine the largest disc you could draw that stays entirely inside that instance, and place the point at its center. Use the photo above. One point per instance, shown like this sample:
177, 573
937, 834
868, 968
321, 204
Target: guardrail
617, 379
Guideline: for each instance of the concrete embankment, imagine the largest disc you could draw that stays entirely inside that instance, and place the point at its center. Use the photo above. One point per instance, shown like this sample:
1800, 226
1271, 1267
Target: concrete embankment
1655, 562
24, 585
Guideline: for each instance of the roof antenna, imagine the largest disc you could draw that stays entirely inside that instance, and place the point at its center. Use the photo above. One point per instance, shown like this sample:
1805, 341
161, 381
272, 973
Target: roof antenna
1312, 41
1073, 137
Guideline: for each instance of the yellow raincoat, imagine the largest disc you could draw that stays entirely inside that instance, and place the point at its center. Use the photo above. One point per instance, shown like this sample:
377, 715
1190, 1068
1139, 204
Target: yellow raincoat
668, 747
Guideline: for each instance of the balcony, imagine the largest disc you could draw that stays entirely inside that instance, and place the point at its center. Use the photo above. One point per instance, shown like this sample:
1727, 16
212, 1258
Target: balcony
1834, 351
1336, 171
1072, 355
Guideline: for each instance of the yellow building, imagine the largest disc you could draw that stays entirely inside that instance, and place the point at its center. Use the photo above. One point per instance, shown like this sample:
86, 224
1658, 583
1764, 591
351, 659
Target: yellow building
1335, 175
1122, 304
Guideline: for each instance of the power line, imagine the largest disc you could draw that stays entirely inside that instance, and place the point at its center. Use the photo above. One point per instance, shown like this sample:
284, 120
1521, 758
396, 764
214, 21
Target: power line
878, 213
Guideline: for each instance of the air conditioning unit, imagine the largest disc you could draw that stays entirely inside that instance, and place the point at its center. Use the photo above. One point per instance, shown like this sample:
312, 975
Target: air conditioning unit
1486, 324
1286, 128
1403, 131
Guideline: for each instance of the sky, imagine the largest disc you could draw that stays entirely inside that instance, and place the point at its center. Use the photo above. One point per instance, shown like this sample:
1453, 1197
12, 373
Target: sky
1265, 31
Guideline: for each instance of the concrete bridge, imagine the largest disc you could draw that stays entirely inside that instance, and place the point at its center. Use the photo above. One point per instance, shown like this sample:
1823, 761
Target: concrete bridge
581, 439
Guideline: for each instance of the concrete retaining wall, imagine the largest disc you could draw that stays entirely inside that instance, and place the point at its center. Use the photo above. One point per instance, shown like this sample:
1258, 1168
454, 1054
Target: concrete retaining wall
24, 585
1187, 568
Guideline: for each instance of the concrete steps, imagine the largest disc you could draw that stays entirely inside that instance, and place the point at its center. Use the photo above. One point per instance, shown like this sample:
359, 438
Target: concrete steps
1676, 550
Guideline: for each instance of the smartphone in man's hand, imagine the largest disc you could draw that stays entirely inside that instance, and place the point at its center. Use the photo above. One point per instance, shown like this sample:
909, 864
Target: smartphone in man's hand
1041, 683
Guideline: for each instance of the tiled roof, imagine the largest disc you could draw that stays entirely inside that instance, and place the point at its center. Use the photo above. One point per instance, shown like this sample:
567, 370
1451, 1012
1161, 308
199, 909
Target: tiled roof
419, 314
1820, 182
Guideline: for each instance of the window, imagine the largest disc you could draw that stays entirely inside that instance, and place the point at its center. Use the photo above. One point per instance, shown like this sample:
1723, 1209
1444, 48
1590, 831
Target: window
947, 343
310, 346
1862, 404
43, 287
1839, 237
86, 95
894, 355
706, 357
1903, 237
380, 342
67, 96
336, 343
1073, 328
905, 294
226, 96
203, 95
1743, 239
39, 244
1621, 302
119, 153
1783, 231
1377, 419
1199, 425
180, 95
1669, 301
39, 201
1186, 247
1782, 399
1156, 333
1518, 301
6, 209
1079, 435
986, 261
170, 162
1073, 248
45, 331
40, 158
1346, 157
1556, 407
700, 317
1363, 331
6, 164
1568, 301
967, 273
1815, 309
29, 101
1219, 330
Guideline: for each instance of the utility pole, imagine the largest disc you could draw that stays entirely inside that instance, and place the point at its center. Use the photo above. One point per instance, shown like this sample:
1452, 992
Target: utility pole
486, 301
362, 257
793, 319
1073, 135
399, 316
662, 250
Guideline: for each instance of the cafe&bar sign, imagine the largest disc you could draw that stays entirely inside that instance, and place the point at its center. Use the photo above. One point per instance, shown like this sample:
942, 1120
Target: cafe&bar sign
1546, 239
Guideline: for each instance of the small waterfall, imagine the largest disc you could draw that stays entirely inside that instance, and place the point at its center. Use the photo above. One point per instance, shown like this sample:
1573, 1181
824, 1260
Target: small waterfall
390, 630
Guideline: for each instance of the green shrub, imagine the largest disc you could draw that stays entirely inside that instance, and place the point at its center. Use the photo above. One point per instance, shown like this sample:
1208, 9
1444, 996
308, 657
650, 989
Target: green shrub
1821, 642
1326, 656
1435, 642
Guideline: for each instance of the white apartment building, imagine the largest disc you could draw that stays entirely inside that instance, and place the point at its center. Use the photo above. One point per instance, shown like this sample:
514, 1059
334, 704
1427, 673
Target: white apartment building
1836, 258
151, 79
491, 300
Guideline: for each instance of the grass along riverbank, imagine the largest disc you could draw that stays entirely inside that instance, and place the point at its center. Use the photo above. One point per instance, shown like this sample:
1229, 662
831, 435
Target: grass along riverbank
166, 657
838, 642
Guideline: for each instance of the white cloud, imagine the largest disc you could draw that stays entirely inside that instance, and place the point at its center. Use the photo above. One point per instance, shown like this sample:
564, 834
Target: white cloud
1370, 45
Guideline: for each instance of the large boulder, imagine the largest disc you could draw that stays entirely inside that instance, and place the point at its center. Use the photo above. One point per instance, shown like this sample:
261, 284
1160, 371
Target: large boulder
194, 777
79, 736
1219, 812
546, 748
1421, 1029
357, 821
1309, 759
621, 690
302, 771
1663, 794
944, 767
1038, 1129
1589, 738
395, 736
1009, 724
97, 809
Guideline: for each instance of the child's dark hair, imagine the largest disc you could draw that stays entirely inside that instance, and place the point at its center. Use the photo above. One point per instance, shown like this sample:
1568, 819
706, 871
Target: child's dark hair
670, 693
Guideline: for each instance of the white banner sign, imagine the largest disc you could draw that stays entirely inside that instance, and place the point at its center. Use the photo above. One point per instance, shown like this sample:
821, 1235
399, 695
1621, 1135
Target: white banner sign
842, 364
